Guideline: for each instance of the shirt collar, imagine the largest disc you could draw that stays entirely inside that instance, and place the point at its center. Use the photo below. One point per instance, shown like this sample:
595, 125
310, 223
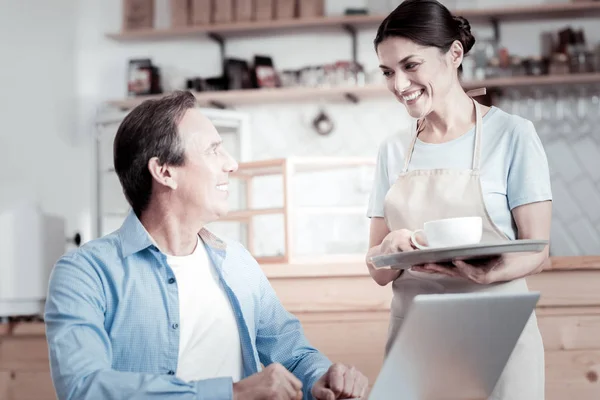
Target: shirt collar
135, 238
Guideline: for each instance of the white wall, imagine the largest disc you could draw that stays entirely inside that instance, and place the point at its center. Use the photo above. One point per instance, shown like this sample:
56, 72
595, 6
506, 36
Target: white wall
42, 155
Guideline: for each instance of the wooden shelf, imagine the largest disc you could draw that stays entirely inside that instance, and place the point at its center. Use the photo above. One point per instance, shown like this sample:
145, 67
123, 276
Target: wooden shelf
242, 215
300, 164
254, 96
299, 94
534, 12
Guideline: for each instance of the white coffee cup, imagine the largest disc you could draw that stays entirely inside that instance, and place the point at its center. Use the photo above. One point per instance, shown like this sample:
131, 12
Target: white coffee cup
450, 232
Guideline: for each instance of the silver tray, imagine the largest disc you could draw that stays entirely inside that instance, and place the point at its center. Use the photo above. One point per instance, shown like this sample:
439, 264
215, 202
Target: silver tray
407, 259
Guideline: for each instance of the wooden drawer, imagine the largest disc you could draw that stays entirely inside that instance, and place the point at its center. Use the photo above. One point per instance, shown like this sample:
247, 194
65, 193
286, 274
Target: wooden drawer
572, 329
23, 353
31, 386
573, 375
4, 383
354, 338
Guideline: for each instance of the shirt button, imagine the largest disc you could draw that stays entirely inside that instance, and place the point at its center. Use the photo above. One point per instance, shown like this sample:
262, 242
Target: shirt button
175, 326
171, 280
171, 372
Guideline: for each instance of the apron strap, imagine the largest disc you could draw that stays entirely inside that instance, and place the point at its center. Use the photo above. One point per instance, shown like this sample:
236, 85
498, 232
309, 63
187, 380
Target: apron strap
477, 149
409, 152
476, 92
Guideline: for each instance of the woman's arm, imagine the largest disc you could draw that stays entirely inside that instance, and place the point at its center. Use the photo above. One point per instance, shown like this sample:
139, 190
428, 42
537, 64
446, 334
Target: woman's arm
533, 222
377, 234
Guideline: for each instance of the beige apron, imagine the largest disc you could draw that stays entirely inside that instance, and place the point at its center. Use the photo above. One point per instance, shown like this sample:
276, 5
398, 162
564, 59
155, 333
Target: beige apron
423, 195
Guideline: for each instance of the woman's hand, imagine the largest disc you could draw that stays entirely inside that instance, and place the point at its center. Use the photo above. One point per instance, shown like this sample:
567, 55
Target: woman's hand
533, 222
382, 241
397, 241
498, 269
483, 272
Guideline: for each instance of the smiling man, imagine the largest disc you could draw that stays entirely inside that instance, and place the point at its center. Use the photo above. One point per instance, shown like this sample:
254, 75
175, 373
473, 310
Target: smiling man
164, 309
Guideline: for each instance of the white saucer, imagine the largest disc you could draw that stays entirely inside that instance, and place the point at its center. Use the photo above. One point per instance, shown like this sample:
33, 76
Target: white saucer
407, 259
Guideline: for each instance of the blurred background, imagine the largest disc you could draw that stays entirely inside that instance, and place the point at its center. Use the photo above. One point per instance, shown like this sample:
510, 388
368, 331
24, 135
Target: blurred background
294, 89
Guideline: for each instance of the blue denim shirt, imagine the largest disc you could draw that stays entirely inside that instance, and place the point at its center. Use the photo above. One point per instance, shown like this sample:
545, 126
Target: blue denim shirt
112, 321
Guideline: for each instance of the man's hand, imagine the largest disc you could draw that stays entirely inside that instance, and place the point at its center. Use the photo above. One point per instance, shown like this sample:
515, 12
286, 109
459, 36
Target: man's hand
340, 382
272, 383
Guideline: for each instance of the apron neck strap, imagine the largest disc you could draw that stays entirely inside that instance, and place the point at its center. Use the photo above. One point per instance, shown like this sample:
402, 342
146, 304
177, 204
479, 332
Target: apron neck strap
415, 129
476, 150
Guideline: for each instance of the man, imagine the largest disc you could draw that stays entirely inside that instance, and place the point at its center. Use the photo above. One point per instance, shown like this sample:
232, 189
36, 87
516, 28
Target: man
162, 308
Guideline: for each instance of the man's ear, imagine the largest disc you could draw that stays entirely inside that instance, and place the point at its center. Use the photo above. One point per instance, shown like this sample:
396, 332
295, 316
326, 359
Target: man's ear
456, 53
162, 173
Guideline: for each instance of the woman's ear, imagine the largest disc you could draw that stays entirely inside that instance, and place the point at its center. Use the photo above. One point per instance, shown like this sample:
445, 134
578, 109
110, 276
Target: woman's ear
162, 173
456, 53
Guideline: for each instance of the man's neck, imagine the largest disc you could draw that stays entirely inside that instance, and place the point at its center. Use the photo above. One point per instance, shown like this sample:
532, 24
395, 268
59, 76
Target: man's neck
173, 234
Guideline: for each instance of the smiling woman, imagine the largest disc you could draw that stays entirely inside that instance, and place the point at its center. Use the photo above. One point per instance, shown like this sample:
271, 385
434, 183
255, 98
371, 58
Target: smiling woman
435, 43
464, 160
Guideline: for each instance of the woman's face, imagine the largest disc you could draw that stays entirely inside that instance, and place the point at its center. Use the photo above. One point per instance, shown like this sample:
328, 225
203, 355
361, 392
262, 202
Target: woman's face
420, 77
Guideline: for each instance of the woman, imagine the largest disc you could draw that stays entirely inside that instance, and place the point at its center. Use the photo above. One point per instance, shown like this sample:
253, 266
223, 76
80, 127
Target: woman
464, 159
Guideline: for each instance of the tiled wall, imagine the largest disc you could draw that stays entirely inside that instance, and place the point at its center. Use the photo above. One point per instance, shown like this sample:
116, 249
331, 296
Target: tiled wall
567, 121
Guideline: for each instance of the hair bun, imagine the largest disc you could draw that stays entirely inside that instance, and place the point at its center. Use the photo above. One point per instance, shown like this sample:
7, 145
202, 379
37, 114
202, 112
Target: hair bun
462, 23
466, 37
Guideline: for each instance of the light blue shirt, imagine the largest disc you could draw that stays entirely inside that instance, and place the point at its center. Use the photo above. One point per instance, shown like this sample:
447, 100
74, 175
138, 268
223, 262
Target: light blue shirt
514, 167
112, 321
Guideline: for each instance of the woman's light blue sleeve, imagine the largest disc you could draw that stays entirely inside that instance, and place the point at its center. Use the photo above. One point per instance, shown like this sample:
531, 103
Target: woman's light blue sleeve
528, 173
381, 183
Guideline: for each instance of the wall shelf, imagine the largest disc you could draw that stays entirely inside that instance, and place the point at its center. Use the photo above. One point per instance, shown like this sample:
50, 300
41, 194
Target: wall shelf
298, 94
537, 12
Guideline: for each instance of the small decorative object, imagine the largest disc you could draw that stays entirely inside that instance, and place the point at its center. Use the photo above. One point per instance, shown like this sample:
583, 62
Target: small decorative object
243, 10
143, 78
322, 123
138, 14
201, 12
285, 9
264, 73
311, 8
264, 10
180, 13
237, 74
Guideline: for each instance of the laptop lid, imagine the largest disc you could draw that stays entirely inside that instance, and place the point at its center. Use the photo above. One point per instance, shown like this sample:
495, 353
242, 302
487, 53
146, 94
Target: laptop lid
453, 346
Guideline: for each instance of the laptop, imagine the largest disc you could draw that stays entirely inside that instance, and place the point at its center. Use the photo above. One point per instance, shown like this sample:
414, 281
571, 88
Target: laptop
453, 346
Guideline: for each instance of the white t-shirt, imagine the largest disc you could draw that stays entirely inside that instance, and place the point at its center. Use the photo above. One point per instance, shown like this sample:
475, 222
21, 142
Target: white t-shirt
209, 341
514, 167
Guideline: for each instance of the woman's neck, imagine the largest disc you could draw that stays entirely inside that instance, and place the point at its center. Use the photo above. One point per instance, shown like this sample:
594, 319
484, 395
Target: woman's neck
450, 119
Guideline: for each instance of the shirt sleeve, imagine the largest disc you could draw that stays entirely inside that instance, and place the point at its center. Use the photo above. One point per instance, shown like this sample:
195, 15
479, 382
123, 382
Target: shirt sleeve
528, 172
381, 183
80, 348
280, 338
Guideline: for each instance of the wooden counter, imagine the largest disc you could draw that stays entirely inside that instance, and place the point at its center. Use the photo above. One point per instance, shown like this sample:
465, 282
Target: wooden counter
345, 315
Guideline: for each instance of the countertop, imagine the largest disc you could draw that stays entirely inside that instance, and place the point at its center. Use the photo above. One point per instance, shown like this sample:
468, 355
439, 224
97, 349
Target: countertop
323, 271
358, 268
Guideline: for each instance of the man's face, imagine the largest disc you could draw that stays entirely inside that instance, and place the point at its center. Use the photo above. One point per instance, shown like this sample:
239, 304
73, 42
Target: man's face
203, 179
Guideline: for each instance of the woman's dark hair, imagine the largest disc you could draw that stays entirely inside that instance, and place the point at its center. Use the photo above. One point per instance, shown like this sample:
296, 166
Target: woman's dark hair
427, 23
149, 130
